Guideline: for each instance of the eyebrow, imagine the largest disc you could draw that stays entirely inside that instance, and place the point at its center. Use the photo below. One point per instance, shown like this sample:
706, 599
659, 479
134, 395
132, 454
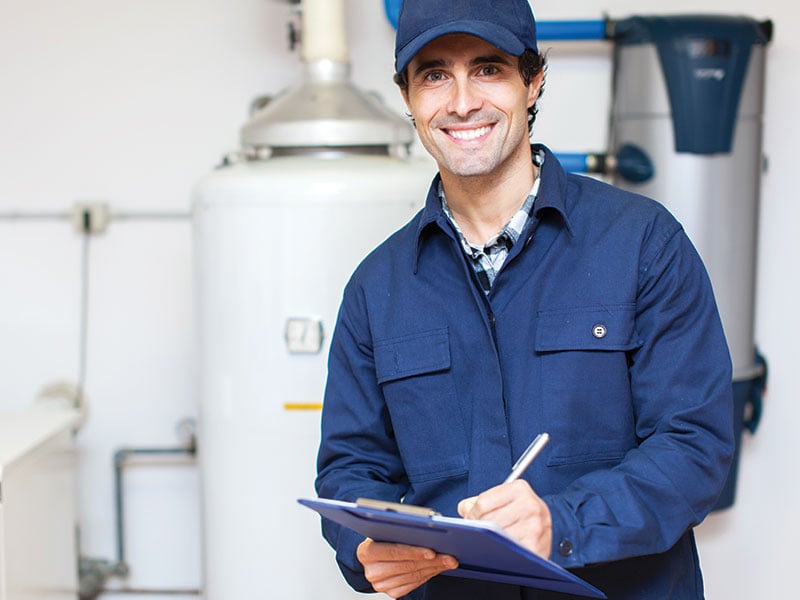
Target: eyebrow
437, 63
429, 64
491, 59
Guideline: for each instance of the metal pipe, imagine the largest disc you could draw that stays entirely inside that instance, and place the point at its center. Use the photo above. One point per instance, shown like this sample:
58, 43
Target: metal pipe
584, 162
120, 457
574, 162
83, 329
95, 572
573, 30
16, 215
154, 591
323, 34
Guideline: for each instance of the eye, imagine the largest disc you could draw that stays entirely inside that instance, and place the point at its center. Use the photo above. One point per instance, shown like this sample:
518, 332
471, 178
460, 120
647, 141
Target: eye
489, 70
434, 76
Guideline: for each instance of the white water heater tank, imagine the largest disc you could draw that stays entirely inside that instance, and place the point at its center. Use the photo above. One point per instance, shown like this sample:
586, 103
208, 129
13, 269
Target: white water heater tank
275, 243
277, 234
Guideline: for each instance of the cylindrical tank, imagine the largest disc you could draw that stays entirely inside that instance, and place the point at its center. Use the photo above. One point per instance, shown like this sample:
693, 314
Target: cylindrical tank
688, 90
275, 242
278, 230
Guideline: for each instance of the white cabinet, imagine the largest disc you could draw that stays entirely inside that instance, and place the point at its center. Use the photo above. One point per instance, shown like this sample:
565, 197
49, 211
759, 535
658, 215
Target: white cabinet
38, 554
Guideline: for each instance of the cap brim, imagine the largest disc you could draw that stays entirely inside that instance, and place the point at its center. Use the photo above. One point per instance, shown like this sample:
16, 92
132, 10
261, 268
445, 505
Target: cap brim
498, 36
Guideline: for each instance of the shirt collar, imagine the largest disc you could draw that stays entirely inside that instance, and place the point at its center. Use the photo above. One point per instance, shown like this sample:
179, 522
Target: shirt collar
550, 198
510, 232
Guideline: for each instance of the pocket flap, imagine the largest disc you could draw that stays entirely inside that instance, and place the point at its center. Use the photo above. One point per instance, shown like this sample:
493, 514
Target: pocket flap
415, 354
587, 328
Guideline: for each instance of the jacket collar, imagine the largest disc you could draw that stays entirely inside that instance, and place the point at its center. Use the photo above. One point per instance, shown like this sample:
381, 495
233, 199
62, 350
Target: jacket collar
551, 199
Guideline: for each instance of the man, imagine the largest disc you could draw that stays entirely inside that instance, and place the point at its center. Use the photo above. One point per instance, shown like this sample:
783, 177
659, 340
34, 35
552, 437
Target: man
523, 299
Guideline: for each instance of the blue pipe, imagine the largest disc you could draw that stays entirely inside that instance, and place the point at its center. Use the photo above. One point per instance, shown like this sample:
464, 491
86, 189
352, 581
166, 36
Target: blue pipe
574, 162
545, 30
630, 162
393, 10
571, 30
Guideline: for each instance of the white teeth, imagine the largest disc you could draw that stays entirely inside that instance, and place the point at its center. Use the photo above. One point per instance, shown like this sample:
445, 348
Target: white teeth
468, 134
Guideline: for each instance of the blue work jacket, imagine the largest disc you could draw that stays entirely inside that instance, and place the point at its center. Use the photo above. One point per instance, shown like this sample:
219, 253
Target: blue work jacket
601, 329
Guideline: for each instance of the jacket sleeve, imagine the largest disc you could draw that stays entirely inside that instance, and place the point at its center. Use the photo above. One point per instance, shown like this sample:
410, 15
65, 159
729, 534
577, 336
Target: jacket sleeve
358, 456
680, 380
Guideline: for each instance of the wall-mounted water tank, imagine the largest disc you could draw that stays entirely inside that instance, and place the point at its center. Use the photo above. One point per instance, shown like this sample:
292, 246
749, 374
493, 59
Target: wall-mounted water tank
688, 90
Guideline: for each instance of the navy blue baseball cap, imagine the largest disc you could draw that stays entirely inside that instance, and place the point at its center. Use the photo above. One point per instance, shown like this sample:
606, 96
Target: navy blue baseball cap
506, 24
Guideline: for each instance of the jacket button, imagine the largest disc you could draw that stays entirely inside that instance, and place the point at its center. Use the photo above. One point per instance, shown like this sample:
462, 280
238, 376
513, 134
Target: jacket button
565, 548
599, 331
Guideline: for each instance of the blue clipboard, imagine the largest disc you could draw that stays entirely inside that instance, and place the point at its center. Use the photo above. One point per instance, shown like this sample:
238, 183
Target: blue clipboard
482, 549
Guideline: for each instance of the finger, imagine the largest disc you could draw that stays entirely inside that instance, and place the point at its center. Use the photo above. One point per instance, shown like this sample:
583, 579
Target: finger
499, 500
483, 505
398, 579
372, 551
465, 506
383, 571
399, 590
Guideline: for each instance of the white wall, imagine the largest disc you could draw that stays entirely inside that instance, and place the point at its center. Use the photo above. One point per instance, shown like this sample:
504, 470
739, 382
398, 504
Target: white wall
130, 102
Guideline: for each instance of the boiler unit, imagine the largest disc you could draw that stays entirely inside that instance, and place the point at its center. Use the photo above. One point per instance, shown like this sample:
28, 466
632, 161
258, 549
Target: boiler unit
278, 229
688, 90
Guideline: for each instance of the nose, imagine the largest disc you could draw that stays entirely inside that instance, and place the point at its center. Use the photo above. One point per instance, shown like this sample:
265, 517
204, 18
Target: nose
465, 98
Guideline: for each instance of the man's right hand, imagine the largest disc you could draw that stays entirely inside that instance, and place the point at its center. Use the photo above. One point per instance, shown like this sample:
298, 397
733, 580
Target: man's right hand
397, 569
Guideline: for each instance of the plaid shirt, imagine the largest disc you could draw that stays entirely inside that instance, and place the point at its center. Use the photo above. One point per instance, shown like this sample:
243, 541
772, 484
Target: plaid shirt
488, 260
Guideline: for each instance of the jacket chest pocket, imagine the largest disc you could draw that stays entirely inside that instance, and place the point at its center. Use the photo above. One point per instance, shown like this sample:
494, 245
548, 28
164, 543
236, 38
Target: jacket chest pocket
586, 390
414, 372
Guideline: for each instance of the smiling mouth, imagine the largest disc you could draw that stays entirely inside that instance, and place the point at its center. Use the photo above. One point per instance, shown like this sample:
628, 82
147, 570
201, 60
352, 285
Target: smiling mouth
468, 134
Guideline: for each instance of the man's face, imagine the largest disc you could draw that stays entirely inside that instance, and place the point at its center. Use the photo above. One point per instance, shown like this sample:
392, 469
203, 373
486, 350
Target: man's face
470, 105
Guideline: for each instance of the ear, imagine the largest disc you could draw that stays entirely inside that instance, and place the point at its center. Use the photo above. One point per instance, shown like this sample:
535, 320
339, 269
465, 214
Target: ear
534, 88
404, 94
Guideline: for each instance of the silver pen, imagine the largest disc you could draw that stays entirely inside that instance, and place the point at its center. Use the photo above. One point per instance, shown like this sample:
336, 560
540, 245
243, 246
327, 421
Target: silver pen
539, 442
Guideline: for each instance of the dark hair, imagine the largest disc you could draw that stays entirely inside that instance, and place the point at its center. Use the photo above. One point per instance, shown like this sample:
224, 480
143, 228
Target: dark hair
531, 63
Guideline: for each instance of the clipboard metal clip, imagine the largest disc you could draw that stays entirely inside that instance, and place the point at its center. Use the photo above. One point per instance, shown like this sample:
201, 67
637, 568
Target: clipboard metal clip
408, 509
